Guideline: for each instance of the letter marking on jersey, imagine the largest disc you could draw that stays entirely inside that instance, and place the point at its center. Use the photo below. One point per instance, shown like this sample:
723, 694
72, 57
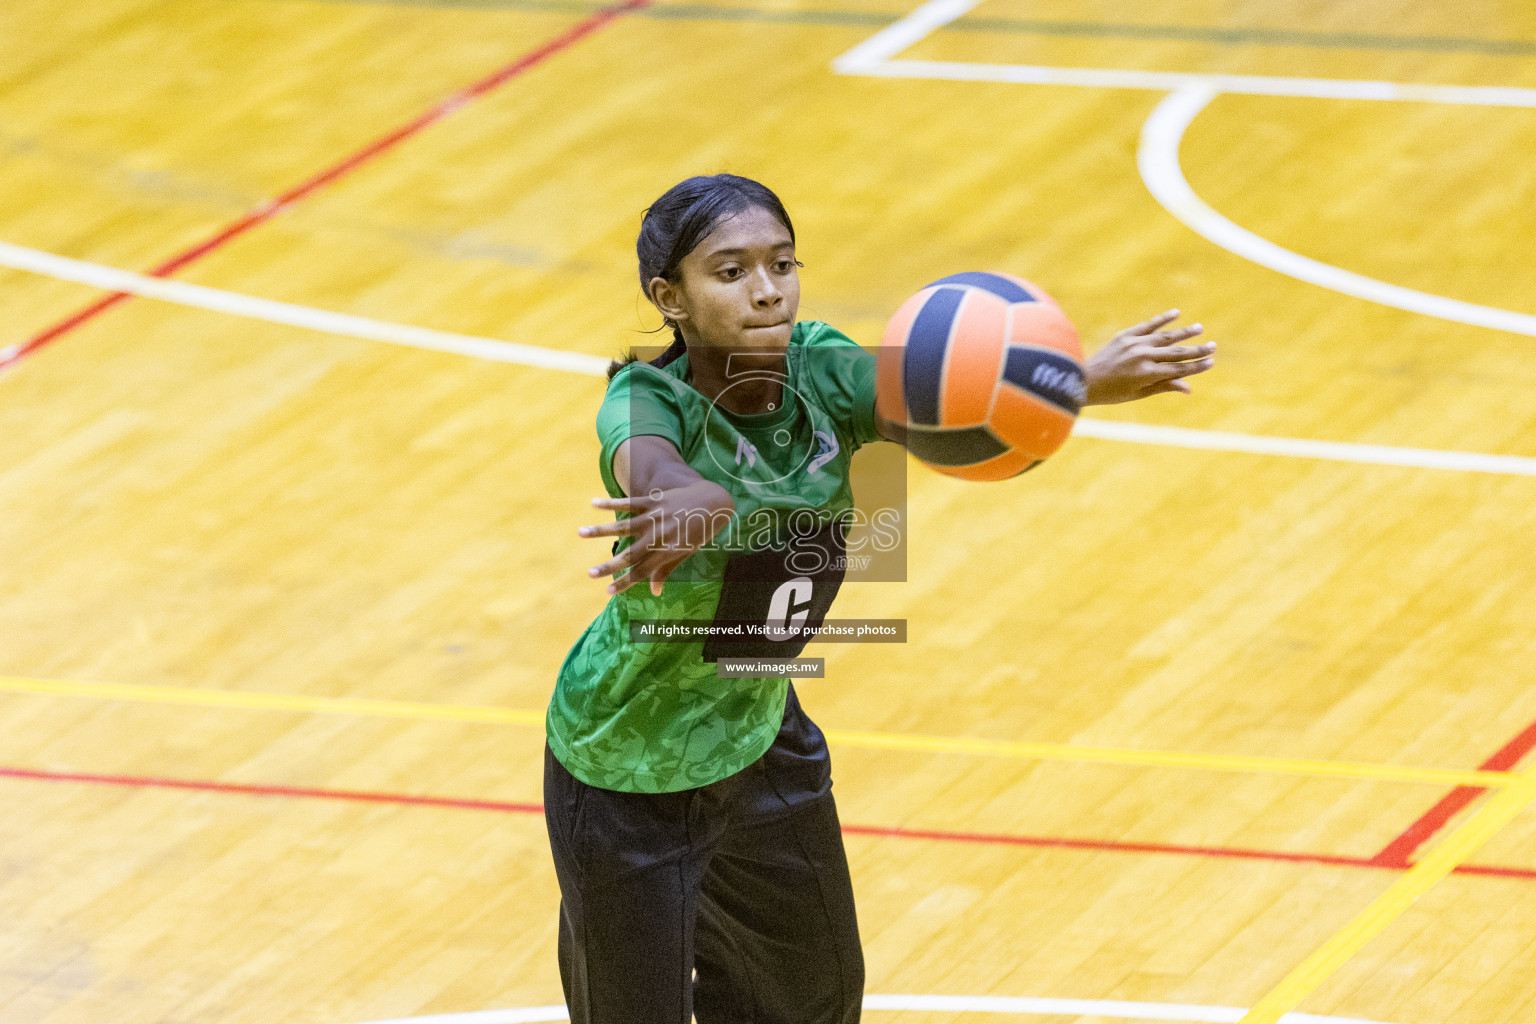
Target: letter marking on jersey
789, 608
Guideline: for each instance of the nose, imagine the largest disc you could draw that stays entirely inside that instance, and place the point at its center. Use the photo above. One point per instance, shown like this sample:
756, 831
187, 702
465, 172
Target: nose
765, 293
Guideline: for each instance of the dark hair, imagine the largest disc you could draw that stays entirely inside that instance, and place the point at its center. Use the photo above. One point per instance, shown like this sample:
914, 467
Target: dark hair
676, 223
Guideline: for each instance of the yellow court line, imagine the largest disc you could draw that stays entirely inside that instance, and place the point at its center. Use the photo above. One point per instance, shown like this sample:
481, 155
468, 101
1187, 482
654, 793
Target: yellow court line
913, 742
1170, 759
272, 701
1447, 857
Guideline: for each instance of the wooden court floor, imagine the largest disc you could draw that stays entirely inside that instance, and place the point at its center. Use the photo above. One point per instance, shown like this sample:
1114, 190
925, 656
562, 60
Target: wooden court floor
1199, 721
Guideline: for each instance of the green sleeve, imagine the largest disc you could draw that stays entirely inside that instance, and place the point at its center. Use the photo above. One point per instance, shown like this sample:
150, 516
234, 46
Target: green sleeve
845, 377
640, 400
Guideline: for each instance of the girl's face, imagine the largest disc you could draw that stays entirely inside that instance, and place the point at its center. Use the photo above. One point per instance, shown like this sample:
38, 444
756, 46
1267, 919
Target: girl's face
738, 288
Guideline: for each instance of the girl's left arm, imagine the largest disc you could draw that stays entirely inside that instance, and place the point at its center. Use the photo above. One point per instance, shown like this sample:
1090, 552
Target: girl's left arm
1145, 360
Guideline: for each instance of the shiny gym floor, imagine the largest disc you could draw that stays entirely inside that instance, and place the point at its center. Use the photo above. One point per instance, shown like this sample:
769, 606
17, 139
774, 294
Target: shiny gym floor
1222, 713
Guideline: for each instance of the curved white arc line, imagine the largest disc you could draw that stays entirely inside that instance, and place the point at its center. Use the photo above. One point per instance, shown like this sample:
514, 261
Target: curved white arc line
346, 325
184, 294
1158, 160
1111, 1008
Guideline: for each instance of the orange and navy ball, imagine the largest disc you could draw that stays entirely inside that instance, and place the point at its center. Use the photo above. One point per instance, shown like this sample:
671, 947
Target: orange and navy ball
986, 373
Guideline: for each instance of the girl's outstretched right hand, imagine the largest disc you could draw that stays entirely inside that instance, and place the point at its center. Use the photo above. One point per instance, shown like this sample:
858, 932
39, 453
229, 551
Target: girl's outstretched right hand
667, 524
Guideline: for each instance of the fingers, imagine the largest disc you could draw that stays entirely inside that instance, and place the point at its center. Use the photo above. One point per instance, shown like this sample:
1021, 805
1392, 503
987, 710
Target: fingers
649, 556
1173, 371
632, 556
1180, 353
644, 558
1178, 334
638, 566
654, 567
619, 527
1164, 387
618, 586
628, 503
638, 522
659, 577
1148, 326
623, 560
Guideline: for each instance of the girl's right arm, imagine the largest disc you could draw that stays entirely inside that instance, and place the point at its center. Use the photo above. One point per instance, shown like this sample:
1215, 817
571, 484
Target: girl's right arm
675, 512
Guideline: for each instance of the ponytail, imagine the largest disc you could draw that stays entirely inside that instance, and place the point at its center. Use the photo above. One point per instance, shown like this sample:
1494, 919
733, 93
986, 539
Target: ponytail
677, 348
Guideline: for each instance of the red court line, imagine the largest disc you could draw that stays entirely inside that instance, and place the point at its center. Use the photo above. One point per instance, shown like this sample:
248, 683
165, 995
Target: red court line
890, 831
272, 207
1399, 852
1116, 846
206, 786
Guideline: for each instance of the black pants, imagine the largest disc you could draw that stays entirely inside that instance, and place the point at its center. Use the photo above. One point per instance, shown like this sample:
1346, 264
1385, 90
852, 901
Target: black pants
743, 880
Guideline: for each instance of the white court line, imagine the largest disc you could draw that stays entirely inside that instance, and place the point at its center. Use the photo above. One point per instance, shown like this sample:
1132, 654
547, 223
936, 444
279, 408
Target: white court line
1158, 154
1158, 160
963, 1004
346, 325
1167, 81
182, 294
874, 56
891, 40
1296, 447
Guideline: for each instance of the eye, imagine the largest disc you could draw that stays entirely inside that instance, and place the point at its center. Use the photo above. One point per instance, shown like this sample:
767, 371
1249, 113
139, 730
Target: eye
783, 265
731, 273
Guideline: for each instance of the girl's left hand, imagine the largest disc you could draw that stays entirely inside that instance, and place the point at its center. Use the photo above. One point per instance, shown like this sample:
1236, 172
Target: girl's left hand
1144, 360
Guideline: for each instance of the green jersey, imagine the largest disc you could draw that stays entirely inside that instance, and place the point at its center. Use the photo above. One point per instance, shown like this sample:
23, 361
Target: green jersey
652, 717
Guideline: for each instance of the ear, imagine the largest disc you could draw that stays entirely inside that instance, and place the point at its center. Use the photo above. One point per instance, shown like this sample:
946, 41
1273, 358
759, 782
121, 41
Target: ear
667, 297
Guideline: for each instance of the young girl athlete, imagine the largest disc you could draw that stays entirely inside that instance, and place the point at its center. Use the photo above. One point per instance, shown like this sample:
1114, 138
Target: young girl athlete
691, 819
